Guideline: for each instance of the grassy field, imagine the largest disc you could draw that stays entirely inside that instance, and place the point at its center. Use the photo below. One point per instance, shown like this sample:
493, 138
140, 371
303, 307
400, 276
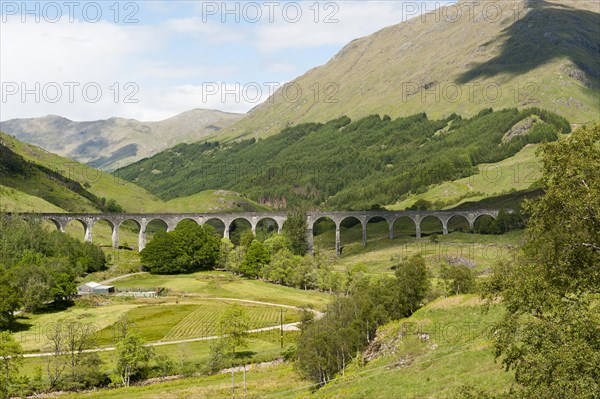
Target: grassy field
155, 319
381, 253
17, 201
128, 195
225, 285
518, 172
260, 383
456, 350
262, 347
32, 329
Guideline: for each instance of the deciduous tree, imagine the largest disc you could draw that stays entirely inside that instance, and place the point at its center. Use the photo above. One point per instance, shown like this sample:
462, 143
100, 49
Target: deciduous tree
549, 335
11, 358
132, 357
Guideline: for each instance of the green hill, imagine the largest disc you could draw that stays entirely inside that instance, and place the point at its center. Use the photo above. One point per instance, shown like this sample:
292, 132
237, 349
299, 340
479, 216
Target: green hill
518, 173
456, 59
35, 180
345, 164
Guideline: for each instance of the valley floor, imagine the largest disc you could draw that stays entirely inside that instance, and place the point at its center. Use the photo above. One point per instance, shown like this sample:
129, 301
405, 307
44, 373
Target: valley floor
442, 346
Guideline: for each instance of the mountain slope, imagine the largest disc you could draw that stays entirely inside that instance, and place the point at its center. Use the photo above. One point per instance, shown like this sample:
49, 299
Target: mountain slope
347, 164
108, 144
100, 184
35, 180
532, 53
28, 179
517, 173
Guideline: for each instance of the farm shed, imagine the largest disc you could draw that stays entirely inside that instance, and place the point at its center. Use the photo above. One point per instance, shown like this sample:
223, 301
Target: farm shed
95, 288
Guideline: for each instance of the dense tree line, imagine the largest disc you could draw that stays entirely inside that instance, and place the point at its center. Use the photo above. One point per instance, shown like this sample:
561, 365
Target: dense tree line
38, 266
381, 162
273, 260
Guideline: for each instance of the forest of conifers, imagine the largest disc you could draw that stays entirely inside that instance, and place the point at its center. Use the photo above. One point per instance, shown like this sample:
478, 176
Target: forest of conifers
344, 164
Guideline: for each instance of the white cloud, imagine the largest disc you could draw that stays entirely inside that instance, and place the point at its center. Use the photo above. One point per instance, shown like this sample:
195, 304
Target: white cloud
228, 97
164, 70
211, 31
337, 23
66, 51
154, 57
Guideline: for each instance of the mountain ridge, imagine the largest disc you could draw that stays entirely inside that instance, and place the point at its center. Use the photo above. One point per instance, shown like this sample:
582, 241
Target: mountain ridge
538, 53
114, 142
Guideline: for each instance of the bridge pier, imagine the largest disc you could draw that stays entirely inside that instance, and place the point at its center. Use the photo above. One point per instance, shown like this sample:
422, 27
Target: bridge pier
417, 219
338, 246
226, 231
115, 237
142, 239
88, 232
310, 239
471, 219
444, 226
391, 225
364, 234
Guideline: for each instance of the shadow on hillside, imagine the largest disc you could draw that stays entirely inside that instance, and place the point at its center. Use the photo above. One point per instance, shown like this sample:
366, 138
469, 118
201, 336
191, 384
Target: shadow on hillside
23, 322
545, 33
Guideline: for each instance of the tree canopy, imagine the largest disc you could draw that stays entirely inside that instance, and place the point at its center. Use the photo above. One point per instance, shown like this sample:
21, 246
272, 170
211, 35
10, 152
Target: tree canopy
38, 266
549, 335
382, 160
187, 249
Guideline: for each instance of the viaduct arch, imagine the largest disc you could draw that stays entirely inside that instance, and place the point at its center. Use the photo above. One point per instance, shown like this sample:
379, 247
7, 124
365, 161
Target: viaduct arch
172, 220
390, 216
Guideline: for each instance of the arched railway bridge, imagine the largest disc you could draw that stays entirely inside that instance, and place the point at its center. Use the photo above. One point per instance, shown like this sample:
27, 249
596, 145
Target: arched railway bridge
88, 220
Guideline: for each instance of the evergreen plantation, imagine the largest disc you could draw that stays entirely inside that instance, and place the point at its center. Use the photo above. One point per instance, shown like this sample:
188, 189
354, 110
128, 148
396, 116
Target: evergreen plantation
346, 164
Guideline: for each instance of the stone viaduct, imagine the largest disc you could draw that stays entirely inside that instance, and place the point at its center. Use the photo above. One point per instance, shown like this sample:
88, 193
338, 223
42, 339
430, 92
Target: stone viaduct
254, 218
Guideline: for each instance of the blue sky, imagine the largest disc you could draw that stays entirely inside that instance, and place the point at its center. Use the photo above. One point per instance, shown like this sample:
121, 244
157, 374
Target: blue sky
150, 60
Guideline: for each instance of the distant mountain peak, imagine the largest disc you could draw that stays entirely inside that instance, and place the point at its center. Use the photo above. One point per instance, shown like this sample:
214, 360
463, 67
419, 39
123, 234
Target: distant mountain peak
115, 142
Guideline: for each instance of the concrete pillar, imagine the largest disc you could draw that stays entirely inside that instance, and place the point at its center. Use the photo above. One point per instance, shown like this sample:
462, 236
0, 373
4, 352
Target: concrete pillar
171, 224
364, 234
88, 232
391, 224
254, 224
445, 226
338, 244
311, 241
226, 231
115, 237
417, 221
471, 218
142, 238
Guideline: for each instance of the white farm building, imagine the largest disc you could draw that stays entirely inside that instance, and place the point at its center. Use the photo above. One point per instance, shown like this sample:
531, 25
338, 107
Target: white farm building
93, 288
